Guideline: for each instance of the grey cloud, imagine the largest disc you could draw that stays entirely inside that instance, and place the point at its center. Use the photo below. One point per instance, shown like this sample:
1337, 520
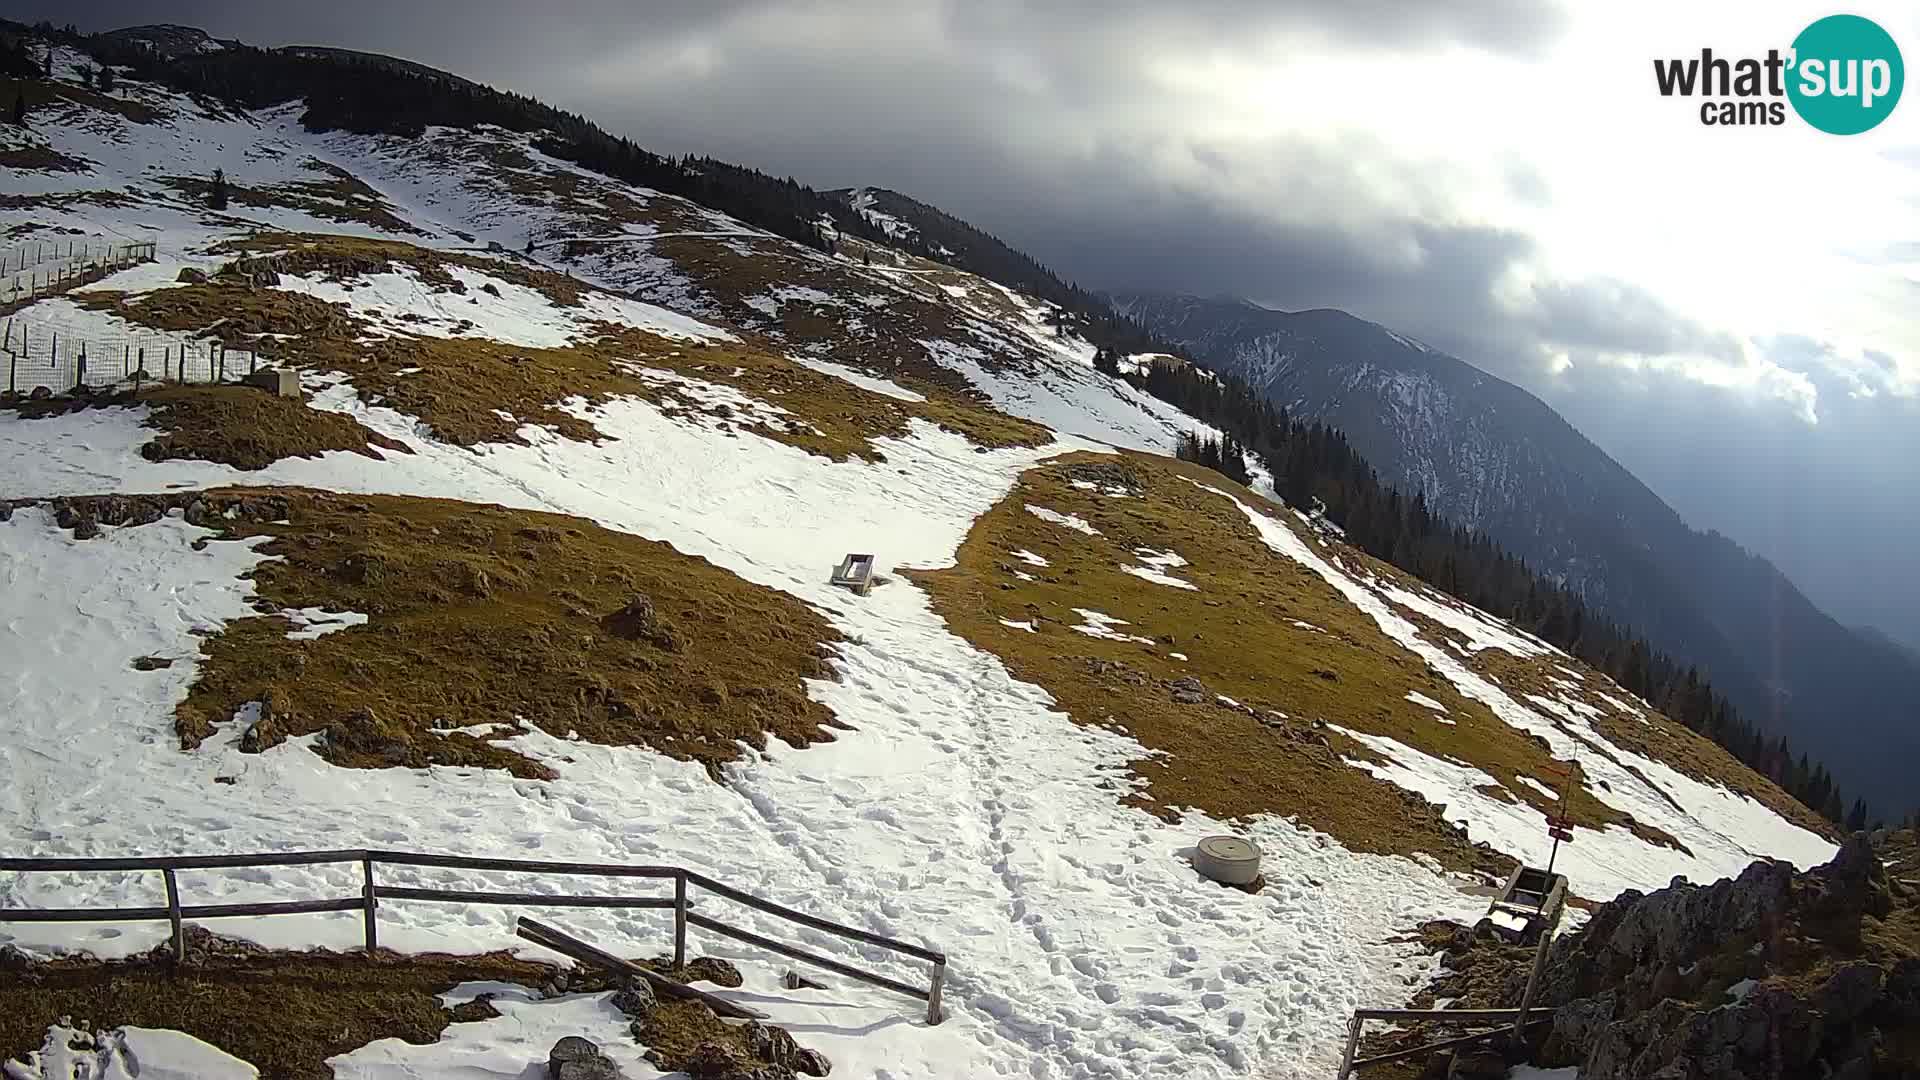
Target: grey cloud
1609, 315
496, 30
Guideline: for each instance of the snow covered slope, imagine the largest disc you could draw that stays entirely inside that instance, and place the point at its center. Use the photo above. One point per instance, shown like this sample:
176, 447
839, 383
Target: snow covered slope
654, 396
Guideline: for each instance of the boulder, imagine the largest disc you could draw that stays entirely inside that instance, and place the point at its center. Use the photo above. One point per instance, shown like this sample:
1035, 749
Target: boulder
636, 998
575, 1058
1849, 992
1189, 691
709, 1061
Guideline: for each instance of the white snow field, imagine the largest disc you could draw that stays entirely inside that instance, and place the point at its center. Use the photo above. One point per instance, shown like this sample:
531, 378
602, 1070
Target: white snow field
961, 810
126, 1053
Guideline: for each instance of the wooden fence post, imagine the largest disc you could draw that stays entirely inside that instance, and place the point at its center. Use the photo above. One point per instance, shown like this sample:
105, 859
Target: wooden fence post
680, 920
367, 893
173, 917
1533, 981
933, 995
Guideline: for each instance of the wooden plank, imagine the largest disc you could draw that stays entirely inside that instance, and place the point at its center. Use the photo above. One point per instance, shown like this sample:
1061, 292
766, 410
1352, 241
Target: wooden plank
567, 945
1353, 1044
934, 1015
456, 896
370, 903
293, 907
815, 959
803, 919
186, 862
680, 920
1444, 1044
463, 862
173, 916
39, 915
1459, 1015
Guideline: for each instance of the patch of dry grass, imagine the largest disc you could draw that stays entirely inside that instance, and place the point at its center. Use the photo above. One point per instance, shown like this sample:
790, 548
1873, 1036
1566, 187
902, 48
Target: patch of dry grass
483, 615
342, 198
1239, 636
343, 258
40, 93
40, 159
471, 390
883, 342
285, 1013
250, 429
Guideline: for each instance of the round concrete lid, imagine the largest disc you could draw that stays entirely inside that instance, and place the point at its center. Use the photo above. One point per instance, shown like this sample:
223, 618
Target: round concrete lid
1229, 849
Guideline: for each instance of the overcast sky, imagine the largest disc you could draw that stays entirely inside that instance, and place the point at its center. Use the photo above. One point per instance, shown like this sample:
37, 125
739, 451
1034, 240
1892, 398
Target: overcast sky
1730, 312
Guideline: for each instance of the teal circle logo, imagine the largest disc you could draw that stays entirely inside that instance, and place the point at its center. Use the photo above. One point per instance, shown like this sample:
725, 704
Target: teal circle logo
1846, 74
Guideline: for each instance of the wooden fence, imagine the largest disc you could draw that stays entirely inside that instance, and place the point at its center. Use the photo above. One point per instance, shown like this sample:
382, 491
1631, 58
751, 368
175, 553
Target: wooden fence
372, 892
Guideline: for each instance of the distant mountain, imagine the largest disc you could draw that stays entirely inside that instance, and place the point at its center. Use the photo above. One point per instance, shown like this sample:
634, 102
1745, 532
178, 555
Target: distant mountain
931, 232
1490, 455
1879, 636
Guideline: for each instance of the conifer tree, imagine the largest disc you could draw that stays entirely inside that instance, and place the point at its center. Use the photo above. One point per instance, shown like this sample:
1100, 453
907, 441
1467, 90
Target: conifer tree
217, 192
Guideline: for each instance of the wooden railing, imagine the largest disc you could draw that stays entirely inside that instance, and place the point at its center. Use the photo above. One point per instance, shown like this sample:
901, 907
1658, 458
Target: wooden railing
372, 892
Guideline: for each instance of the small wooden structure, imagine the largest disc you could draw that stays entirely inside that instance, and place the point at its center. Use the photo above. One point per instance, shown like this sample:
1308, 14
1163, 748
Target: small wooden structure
855, 572
1528, 905
276, 381
626, 970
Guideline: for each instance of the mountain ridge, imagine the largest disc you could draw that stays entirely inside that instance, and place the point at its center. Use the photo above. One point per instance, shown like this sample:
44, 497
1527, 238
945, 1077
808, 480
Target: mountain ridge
1494, 456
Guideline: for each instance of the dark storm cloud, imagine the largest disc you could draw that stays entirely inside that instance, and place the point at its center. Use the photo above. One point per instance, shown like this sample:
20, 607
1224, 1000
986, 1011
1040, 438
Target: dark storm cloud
489, 31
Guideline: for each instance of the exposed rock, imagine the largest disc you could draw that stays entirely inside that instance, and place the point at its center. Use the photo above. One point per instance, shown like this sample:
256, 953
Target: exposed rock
1189, 691
714, 970
637, 621
1118, 670
191, 275
1104, 474
1850, 992
152, 663
575, 1058
1643, 990
1474, 1064
636, 998
40, 393
709, 1060
363, 735
264, 733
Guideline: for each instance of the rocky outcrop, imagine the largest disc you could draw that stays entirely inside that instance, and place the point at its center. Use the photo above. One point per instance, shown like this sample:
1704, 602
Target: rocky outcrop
85, 514
575, 1058
1770, 974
